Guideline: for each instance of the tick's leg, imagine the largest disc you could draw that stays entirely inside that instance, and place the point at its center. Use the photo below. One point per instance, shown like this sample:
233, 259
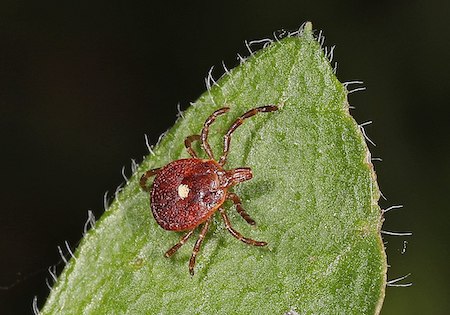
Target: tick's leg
237, 123
146, 176
237, 202
175, 247
236, 234
188, 144
205, 130
197, 246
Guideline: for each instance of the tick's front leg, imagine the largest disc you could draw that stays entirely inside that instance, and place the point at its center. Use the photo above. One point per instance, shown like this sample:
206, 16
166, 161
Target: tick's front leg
237, 202
238, 235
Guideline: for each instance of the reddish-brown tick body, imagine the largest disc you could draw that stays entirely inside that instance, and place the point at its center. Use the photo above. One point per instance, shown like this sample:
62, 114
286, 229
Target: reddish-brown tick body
187, 192
175, 213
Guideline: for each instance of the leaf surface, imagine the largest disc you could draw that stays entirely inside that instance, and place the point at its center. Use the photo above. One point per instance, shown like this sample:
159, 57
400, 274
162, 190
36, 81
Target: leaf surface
313, 195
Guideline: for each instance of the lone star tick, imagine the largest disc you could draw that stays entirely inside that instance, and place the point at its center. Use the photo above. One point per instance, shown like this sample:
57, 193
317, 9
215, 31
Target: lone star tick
187, 192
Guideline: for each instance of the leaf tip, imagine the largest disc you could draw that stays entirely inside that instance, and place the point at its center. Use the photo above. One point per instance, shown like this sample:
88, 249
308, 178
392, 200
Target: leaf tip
308, 27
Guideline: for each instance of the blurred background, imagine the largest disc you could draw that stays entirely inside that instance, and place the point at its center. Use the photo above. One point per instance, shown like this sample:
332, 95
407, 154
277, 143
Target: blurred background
80, 85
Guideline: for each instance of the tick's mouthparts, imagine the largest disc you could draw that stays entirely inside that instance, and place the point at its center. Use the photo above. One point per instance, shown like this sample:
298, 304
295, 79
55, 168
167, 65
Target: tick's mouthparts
240, 174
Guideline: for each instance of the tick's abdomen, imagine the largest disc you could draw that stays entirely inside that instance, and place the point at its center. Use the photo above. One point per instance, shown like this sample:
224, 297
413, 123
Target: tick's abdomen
186, 193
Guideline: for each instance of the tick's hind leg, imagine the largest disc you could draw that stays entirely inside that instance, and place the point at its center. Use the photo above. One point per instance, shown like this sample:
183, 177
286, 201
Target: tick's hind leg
188, 144
197, 246
236, 234
146, 176
237, 202
237, 123
175, 247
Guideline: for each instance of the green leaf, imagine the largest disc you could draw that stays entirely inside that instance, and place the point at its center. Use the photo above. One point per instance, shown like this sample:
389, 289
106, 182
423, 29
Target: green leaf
314, 197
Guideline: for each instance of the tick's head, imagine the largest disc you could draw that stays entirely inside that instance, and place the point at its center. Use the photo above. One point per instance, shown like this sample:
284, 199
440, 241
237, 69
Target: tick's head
236, 176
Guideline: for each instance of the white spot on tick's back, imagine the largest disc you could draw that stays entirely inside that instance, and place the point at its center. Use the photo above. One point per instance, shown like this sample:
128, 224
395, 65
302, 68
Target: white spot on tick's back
183, 191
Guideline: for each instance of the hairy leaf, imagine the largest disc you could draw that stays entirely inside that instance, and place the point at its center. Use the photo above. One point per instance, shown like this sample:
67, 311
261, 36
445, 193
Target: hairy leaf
314, 197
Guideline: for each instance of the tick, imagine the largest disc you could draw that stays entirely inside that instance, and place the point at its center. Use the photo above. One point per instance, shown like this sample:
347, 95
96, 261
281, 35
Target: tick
187, 192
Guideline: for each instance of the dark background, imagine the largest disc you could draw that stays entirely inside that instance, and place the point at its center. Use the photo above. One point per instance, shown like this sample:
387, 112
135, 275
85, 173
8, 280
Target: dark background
80, 84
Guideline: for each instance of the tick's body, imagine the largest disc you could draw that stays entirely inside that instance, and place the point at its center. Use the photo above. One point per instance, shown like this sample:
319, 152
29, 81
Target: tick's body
187, 192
